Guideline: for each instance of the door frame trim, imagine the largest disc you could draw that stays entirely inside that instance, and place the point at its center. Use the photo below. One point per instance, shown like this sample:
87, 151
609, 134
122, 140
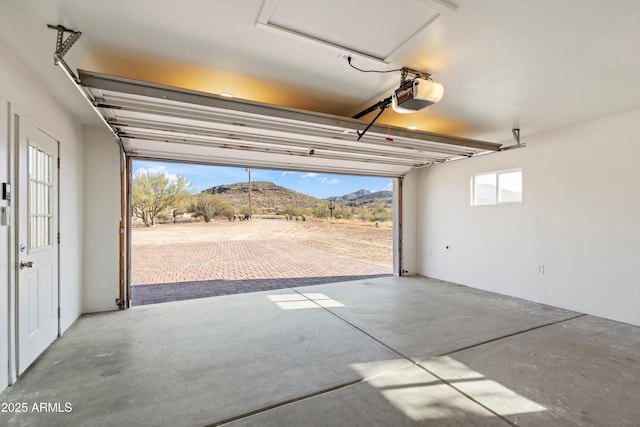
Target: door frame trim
13, 114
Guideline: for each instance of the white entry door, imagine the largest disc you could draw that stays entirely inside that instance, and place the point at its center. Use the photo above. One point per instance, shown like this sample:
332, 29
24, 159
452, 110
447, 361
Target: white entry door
37, 241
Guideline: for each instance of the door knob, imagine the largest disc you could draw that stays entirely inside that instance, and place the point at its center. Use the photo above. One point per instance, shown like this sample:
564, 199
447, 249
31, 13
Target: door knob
26, 264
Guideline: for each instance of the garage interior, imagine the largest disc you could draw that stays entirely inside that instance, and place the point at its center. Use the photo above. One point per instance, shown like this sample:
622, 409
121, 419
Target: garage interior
500, 313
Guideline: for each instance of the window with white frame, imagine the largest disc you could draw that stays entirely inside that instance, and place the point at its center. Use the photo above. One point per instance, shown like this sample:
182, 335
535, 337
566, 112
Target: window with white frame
498, 187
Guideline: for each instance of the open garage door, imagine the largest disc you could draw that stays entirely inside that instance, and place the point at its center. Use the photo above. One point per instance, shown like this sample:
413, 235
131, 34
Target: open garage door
162, 122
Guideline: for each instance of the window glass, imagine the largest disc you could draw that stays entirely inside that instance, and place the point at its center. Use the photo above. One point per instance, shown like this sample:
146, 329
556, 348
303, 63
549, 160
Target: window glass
496, 187
40, 194
510, 187
484, 189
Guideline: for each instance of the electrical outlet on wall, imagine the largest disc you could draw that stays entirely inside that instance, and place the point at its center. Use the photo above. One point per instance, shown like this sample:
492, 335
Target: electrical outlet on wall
541, 269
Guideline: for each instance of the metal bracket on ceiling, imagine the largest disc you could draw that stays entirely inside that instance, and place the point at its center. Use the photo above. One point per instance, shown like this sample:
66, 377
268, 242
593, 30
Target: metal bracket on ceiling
516, 137
407, 74
63, 46
403, 75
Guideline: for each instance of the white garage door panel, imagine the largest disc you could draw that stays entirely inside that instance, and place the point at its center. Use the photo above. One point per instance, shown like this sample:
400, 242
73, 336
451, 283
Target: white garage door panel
162, 122
129, 122
160, 150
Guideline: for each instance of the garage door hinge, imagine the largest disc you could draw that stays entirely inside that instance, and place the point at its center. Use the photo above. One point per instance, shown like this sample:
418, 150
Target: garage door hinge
58, 237
58, 162
58, 312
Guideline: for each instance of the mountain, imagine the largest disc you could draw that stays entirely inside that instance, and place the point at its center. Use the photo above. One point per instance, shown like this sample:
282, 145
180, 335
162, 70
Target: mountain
264, 196
269, 197
362, 195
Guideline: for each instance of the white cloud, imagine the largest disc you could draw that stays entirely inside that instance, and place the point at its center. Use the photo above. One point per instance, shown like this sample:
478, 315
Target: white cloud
389, 186
326, 180
320, 179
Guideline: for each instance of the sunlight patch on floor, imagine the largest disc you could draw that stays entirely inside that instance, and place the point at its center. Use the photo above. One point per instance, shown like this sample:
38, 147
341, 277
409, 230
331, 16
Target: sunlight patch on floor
302, 301
492, 394
422, 396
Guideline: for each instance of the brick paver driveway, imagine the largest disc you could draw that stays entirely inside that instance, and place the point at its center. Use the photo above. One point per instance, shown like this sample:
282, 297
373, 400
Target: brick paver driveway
172, 272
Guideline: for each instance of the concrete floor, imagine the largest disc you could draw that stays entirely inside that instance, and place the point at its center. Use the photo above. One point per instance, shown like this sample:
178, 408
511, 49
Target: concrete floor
387, 351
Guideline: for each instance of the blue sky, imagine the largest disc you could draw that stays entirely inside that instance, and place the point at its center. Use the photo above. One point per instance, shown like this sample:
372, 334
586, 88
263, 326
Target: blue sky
319, 185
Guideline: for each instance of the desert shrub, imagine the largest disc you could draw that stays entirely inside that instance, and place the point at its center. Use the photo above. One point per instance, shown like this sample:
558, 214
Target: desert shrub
163, 216
291, 211
153, 193
320, 211
376, 214
208, 206
343, 212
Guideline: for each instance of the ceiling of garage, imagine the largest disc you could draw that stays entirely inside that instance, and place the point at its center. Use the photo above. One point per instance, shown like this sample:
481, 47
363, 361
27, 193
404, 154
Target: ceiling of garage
533, 64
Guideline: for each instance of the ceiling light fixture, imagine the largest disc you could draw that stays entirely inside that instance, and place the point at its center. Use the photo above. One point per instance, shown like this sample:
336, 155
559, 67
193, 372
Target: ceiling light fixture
412, 127
226, 95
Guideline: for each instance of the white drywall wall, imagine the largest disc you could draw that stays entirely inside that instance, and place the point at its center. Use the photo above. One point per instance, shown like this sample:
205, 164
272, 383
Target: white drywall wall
579, 219
4, 242
101, 220
24, 93
409, 224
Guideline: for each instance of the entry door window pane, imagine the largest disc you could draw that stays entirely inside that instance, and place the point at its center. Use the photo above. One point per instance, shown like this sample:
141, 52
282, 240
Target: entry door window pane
40, 198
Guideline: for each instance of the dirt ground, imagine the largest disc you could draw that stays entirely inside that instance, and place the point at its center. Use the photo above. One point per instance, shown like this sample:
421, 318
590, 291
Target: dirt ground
363, 242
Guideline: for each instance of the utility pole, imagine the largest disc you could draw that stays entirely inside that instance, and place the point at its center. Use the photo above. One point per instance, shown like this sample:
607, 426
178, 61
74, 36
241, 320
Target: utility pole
249, 170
